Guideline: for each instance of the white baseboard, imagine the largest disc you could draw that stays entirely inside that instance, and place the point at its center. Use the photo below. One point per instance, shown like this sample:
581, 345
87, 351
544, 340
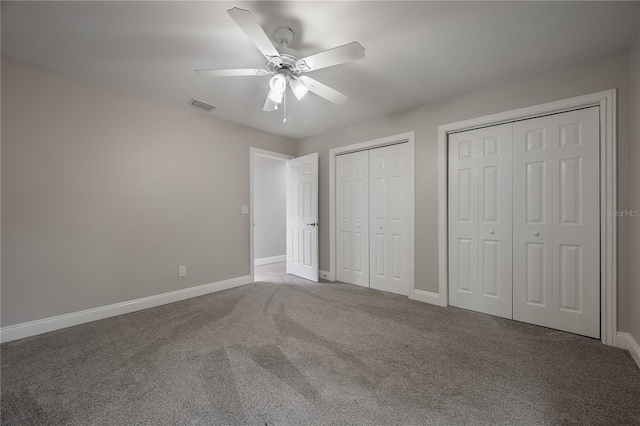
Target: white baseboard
426, 297
326, 275
626, 341
32, 328
268, 260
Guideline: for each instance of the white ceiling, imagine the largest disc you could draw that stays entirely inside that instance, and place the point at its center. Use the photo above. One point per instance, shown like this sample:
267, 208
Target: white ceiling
416, 52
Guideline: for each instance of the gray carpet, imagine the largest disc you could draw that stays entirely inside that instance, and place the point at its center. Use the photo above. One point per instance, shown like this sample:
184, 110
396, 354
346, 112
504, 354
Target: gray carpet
291, 352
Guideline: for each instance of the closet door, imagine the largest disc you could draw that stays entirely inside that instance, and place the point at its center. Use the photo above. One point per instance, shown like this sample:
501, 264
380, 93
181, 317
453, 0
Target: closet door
389, 218
556, 222
352, 211
480, 215
463, 220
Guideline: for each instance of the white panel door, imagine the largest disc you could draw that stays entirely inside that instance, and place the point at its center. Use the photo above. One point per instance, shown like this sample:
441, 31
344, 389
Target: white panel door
495, 233
352, 211
302, 217
556, 222
389, 216
463, 220
480, 215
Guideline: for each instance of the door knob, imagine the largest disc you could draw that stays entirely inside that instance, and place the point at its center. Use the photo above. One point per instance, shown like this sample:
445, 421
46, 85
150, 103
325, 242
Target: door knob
312, 224
358, 227
491, 231
380, 227
535, 233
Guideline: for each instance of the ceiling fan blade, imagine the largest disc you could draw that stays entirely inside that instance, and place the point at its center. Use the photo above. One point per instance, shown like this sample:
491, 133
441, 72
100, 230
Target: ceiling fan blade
233, 72
248, 23
324, 91
338, 55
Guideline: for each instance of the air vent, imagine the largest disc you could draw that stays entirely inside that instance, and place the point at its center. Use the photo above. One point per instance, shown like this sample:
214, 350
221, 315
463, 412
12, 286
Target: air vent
201, 105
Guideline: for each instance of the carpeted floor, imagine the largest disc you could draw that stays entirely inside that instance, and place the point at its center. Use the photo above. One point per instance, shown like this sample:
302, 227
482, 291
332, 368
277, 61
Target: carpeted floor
290, 352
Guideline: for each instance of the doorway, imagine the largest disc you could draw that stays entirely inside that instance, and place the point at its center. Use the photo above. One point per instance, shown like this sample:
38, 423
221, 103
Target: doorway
267, 208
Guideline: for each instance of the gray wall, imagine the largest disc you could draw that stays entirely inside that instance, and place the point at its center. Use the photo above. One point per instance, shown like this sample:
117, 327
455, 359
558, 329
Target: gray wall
634, 240
269, 207
105, 194
608, 72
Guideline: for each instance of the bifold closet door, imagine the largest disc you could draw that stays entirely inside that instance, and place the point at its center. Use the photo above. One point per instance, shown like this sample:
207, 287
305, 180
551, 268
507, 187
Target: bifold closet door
389, 216
352, 214
556, 221
480, 220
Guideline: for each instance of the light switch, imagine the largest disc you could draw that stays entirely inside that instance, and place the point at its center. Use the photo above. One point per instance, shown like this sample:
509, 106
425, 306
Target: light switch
244, 209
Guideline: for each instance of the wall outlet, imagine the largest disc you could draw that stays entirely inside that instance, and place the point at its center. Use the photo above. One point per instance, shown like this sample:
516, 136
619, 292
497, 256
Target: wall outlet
244, 209
182, 271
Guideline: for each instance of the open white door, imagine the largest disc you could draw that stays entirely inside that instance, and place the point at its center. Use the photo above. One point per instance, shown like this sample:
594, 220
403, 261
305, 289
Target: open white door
302, 217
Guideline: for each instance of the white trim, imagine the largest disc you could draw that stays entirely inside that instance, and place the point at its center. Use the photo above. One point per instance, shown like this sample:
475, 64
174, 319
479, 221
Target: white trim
325, 275
426, 297
606, 100
258, 152
409, 138
32, 328
269, 260
626, 341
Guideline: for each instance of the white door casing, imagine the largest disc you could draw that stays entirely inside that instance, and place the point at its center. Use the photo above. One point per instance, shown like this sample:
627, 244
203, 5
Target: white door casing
389, 217
480, 228
352, 214
556, 222
302, 217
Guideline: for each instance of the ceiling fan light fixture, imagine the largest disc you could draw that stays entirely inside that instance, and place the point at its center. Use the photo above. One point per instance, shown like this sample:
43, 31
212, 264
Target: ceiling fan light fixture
270, 105
278, 83
276, 96
298, 89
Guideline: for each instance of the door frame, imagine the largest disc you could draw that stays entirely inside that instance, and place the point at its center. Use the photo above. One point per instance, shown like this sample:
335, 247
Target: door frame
606, 100
408, 138
253, 153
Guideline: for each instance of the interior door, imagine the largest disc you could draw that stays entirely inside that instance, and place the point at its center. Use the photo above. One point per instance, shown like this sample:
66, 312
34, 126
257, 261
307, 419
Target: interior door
389, 215
352, 211
556, 222
480, 220
302, 217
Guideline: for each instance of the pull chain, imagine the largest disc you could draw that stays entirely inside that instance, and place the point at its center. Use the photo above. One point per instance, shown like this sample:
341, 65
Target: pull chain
284, 106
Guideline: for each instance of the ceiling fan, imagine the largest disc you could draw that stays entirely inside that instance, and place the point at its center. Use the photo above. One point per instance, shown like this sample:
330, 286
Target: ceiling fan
287, 65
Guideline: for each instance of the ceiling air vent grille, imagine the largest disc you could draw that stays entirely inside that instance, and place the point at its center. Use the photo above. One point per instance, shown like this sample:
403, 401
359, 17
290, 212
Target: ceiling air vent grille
201, 105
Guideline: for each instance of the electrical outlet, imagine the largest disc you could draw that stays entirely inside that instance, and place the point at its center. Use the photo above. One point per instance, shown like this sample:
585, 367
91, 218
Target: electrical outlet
182, 271
244, 209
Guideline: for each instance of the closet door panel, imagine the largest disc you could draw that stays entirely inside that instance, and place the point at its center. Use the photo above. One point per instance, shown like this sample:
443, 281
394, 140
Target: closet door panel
390, 216
576, 222
556, 222
532, 218
352, 211
480, 234
495, 236
463, 220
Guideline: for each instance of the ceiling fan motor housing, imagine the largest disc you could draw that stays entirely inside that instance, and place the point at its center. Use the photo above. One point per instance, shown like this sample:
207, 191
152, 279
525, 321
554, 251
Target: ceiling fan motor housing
289, 62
